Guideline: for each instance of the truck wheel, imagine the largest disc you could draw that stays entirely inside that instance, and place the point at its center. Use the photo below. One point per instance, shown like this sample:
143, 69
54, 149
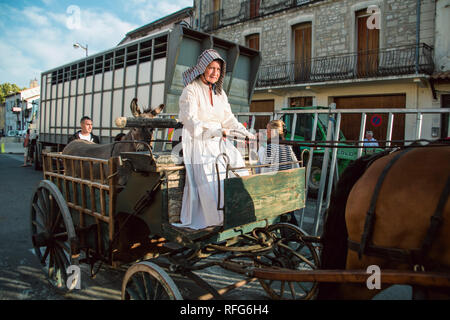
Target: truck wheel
37, 157
314, 177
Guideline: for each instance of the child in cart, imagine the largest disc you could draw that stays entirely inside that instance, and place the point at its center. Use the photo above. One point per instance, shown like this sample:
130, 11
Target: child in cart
276, 154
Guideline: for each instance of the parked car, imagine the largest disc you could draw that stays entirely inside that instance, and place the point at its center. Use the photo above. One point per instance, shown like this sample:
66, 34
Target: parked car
12, 133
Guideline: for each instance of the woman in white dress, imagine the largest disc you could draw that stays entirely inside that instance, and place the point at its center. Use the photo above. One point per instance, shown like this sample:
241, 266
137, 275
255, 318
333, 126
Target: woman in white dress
206, 116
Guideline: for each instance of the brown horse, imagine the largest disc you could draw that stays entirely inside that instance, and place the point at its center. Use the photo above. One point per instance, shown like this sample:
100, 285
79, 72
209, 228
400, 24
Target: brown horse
414, 188
129, 143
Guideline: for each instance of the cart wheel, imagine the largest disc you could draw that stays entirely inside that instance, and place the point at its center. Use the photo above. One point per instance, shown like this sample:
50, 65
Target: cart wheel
53, 235
147, 281
290, 252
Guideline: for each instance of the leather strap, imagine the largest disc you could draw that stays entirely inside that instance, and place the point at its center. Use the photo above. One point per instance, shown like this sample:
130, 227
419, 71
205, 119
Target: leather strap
370, 216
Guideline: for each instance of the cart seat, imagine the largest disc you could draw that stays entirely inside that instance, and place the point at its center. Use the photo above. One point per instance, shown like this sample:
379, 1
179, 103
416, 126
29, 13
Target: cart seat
144, 161
185, 236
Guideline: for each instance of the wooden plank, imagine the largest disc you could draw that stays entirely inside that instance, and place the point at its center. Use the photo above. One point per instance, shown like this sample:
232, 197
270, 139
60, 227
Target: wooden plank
354, 276
262, 196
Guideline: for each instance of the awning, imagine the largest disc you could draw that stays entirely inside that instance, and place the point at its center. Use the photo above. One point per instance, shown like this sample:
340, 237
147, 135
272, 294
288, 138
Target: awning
443, 75
437, 77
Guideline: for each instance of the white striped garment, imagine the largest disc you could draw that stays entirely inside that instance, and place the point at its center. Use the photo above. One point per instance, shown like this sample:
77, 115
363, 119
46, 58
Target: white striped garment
278, 153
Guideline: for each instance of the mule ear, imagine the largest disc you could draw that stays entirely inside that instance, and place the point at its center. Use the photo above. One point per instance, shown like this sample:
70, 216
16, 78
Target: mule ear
157, 110
135, 110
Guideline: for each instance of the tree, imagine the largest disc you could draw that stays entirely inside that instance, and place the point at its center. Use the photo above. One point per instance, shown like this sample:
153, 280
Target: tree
6, 89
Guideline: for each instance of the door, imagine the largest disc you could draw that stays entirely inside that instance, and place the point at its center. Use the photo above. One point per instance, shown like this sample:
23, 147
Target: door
367, 46
254, 8
377, 123
215, 12
262, 106
252, 41
302, 51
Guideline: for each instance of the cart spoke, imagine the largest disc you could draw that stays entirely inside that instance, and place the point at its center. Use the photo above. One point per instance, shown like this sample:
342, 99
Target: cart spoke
53, 213
64, 246
47, 251
302, 287
42, 209
147, 284
56, 222
60, 236
301, 257
282, 288
37, 224
133, 294
291, 287
157, 291
62, 263
51, 266
44, 204
140, 288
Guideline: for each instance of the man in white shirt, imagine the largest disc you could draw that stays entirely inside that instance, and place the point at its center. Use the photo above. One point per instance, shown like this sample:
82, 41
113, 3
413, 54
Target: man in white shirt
370, 141
86, 131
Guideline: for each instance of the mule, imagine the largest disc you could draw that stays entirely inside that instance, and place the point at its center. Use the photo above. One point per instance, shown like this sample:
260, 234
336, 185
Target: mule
400, 234
129, 143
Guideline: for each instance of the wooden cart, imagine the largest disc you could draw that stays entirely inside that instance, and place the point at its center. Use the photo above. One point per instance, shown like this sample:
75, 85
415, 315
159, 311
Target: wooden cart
79, 214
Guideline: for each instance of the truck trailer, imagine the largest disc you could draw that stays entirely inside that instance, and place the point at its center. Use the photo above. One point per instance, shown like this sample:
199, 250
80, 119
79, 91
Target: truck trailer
150, 68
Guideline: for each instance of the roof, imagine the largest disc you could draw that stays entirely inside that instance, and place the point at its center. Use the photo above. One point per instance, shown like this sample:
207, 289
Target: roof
183, 13
443, 75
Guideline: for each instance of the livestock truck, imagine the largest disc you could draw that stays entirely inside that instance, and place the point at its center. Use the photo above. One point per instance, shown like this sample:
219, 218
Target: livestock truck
150, 68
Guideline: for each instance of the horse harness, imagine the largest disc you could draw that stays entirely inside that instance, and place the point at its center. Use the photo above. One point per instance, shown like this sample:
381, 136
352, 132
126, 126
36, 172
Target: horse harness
414, 257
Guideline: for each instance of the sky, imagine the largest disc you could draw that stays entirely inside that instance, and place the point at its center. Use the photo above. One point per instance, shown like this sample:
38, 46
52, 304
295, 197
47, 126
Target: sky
38, 35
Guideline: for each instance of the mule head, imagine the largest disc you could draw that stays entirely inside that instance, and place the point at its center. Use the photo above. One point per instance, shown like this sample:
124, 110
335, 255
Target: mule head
147, 113
142, 133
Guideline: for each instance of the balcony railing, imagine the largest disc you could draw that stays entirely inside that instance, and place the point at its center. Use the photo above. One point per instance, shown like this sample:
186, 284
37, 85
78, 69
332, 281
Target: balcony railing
250, 9
376, 63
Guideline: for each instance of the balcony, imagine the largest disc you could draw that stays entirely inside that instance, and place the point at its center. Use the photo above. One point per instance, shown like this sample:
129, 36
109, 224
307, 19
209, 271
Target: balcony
377, 63
250, 9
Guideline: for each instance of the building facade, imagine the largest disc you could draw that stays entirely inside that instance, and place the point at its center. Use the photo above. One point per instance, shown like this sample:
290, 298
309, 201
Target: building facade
21, 109
356, 54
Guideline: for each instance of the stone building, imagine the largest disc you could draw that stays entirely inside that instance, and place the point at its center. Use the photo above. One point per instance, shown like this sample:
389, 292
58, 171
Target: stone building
356, 54
21, 108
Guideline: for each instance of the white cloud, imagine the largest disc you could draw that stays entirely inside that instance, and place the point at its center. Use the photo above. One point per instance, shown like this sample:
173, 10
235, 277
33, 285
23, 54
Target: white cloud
36, 16
37, 38
40, 41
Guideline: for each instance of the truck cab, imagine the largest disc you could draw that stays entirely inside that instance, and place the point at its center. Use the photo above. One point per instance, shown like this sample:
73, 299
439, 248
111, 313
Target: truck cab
304, 133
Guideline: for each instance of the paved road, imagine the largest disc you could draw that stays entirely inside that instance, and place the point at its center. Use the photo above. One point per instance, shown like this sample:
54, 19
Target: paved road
21, 277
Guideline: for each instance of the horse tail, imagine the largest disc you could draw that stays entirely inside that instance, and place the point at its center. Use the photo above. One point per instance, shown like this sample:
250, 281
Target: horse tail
334, 236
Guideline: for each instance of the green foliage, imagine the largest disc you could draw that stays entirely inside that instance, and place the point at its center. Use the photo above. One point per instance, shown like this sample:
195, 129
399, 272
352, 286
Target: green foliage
6, 89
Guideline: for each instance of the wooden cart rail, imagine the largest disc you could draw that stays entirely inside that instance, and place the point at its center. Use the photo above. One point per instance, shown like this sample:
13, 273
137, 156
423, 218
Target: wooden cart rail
430, 279
88, 186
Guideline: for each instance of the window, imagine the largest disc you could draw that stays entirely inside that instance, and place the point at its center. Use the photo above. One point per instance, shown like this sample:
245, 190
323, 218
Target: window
252, 41
295, 102
302, 50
